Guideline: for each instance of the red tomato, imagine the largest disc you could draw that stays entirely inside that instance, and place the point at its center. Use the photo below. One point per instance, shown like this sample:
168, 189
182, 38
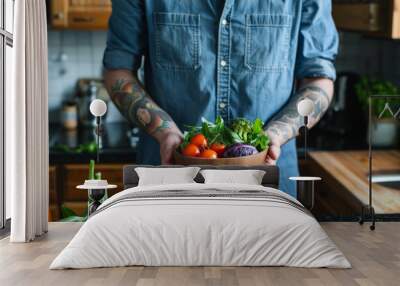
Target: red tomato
218, 147
191, 150
209, 154
199, 140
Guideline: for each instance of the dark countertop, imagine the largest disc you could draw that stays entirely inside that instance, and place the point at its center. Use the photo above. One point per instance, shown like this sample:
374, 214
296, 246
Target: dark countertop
117, 145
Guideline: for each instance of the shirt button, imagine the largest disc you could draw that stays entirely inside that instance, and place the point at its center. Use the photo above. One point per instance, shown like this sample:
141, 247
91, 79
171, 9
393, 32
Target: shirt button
224, 22
222, 105
223, 63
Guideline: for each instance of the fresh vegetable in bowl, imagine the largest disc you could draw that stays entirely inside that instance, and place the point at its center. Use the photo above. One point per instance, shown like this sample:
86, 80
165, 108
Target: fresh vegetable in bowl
208, 154
251, 133
191, 150
240, 150
219, 148
241, 137
199, 140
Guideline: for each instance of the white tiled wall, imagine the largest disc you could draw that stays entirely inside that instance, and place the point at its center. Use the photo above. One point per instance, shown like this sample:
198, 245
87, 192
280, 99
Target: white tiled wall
73, 55
84, 51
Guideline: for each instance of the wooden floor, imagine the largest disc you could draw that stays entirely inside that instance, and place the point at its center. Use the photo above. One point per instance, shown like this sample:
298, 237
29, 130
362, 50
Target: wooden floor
375, 257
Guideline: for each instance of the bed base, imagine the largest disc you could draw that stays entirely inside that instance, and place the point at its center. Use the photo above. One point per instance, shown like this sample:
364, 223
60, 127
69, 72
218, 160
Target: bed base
271, 178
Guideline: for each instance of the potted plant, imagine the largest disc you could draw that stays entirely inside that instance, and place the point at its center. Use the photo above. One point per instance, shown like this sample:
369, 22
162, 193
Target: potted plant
385, 128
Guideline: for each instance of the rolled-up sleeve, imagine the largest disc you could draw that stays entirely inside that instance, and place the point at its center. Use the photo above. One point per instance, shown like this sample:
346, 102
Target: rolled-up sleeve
318, 41
126, 40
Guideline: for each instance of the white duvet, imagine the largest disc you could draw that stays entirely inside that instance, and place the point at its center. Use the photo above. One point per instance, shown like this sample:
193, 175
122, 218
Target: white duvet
202, 231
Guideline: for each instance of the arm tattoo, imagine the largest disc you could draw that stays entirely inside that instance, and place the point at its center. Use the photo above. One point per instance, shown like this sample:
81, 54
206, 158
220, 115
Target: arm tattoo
286, 124
136, 106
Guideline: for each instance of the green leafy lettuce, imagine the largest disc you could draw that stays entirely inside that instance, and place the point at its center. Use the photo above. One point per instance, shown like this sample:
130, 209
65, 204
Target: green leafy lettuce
251, 133
239, 131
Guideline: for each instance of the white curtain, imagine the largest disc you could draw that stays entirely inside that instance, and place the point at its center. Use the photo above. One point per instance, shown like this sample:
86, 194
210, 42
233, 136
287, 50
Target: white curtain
27, 124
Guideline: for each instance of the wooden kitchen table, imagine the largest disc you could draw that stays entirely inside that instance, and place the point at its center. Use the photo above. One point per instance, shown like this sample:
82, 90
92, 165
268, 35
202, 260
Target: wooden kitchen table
345, 182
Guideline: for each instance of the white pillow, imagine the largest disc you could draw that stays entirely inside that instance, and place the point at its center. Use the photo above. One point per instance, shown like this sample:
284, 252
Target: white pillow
247, 177
166, 176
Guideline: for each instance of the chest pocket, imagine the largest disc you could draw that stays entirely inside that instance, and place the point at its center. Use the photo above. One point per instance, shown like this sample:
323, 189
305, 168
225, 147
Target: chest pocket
177, 41
267, 42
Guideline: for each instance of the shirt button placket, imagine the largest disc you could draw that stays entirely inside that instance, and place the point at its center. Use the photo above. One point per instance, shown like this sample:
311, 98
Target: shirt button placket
223, 90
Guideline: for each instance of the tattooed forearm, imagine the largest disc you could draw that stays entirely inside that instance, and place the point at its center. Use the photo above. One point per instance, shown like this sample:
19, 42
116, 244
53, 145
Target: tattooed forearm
135, 105
286, 124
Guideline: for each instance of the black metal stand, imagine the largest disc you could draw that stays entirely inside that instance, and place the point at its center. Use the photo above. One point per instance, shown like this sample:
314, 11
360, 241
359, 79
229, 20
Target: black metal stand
305, 189
305, 136
369, 208
306, 193
95, 198
98, 134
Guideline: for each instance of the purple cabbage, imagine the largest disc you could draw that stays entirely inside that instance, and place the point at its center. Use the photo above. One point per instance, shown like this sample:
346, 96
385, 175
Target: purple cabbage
240, 150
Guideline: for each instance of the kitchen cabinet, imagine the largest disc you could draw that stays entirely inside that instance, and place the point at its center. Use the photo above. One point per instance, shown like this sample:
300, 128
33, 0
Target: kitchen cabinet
65, 178
371, 17
54, 210
76, 174
69, 168
80, 14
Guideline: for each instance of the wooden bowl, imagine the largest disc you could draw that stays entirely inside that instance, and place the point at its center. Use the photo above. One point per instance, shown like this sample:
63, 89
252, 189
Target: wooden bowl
253, 160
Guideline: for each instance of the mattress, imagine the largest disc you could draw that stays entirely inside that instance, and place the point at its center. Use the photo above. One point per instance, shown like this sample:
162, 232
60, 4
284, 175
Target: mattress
201, 225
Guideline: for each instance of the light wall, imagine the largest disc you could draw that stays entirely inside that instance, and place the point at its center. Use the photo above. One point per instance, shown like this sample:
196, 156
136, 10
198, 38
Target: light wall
74, 55
84, 51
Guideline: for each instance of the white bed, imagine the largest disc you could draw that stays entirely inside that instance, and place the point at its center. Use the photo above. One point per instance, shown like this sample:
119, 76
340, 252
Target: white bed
201, 225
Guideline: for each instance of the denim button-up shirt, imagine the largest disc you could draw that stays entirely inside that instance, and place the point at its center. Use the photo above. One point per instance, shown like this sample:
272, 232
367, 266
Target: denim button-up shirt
233, 58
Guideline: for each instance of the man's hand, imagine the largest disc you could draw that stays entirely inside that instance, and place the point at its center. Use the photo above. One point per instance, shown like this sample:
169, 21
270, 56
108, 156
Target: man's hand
274, 150
168, 144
